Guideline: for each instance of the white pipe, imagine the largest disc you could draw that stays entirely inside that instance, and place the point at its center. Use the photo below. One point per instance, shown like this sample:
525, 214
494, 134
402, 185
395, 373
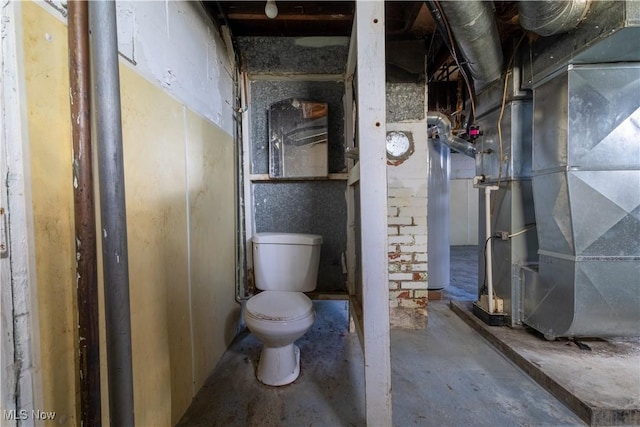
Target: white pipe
487, 229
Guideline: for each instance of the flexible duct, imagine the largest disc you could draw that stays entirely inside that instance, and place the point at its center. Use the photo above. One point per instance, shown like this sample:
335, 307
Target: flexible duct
475, 31
552, 16
443, 124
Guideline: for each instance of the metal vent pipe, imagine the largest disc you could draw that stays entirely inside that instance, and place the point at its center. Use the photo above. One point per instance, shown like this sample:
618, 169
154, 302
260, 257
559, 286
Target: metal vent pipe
115, 257
551, 17
475, 31
443, 124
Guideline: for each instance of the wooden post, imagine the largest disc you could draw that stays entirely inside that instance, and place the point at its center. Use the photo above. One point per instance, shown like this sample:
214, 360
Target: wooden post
370, 76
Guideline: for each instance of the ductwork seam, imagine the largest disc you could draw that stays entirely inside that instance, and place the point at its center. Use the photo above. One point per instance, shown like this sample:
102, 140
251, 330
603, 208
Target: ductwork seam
547, 18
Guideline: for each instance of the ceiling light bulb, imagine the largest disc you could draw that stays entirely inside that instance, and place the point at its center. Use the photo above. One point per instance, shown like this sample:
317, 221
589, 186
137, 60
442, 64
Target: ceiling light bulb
271, 10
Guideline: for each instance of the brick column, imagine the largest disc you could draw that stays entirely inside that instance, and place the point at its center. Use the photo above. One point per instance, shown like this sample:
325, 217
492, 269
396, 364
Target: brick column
407, 233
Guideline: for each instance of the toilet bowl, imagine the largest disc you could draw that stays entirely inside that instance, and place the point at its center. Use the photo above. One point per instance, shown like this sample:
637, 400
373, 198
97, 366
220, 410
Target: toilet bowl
285, 266
278, 330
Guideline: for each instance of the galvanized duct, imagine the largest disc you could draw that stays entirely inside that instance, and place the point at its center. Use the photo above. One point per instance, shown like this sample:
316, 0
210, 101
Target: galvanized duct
552, 16
475, 31
586, 175
443, 124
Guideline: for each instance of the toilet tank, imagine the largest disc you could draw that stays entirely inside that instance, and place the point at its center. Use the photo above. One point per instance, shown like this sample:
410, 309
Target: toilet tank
286, 261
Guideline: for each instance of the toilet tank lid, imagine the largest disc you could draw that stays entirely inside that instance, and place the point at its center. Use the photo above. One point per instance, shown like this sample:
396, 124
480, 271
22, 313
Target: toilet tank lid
288, 238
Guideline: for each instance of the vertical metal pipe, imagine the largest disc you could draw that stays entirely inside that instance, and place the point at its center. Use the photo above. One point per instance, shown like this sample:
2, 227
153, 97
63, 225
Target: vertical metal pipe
84, 214
438, 222
106, 85
487, 231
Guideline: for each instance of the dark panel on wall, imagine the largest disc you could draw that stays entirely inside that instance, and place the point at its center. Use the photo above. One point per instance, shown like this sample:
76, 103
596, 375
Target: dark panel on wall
266, 92
299, 55
313, 207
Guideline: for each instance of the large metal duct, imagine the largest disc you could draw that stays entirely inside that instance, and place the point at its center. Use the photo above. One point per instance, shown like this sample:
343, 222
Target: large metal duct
475, 31
586, 175
585, 183
551, 17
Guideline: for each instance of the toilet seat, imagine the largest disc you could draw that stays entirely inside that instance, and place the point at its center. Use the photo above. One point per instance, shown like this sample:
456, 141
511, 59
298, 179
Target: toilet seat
279, 306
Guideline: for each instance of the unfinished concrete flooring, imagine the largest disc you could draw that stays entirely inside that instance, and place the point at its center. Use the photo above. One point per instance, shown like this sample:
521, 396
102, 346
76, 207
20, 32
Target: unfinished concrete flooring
446, 375
598, 379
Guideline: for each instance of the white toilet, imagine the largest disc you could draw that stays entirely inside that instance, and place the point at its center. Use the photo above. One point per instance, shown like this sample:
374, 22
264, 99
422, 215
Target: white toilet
285, 265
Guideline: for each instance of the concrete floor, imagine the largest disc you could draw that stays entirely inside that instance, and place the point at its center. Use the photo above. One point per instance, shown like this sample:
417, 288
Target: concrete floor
446, 375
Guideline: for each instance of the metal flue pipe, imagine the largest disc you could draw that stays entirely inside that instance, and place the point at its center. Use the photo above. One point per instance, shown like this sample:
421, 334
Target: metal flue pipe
475, 31
443, 125
550, 17
84, 214
106, 85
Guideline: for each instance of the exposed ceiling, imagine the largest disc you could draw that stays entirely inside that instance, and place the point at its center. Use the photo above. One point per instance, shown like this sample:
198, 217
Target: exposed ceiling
404, 19
409, 25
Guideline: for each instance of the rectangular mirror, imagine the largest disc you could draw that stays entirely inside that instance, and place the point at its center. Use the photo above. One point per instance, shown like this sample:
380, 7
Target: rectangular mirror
298, 143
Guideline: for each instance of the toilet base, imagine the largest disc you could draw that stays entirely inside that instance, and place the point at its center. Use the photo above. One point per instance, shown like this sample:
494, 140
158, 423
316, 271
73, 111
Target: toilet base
279, 365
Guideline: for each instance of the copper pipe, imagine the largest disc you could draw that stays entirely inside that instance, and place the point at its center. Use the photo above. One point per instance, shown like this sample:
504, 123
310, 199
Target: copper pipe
84, 215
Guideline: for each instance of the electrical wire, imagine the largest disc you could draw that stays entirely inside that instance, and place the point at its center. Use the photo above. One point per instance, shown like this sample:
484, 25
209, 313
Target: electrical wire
484, 290
452, 49
502, 108
524, 230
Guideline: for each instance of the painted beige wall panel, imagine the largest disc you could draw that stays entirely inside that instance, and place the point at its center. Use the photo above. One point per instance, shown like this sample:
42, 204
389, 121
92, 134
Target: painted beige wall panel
155, 180
210, 161
158, 135
47, 106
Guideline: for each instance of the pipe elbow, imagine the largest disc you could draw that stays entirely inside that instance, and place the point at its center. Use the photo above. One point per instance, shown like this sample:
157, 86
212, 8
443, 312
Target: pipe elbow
443, 124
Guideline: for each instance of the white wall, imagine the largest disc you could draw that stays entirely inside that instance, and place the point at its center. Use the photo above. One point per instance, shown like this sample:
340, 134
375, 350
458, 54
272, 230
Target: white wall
174, 44
463, 212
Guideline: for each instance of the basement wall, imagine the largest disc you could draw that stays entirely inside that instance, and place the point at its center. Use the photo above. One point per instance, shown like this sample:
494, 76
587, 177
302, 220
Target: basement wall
179, 158
407, 208
311, 69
